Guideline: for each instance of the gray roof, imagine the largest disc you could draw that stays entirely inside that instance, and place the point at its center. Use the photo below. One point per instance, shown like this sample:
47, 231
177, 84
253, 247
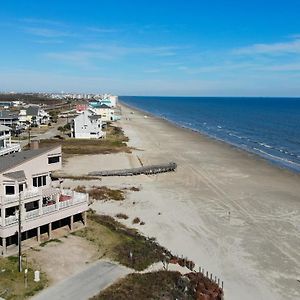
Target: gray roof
6, 114
18, 175
12, 160
32, 111
95, 117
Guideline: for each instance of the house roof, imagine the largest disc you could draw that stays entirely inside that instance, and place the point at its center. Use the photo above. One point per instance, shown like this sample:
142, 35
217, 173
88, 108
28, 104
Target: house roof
12, 160
18, 175
104, 106
6, 114
32, 111
4, 128
95, 117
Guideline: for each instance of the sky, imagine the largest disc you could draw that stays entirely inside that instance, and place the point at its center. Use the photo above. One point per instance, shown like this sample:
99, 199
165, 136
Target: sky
139, 47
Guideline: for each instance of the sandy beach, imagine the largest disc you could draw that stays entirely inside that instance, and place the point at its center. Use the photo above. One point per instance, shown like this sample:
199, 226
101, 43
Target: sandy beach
232, 213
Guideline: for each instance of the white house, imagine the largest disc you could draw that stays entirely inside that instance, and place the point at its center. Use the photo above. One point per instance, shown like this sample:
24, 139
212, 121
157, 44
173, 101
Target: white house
6, 146
87, 125
26, 184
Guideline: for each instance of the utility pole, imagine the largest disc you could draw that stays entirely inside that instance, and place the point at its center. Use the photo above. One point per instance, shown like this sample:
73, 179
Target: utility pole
20, 234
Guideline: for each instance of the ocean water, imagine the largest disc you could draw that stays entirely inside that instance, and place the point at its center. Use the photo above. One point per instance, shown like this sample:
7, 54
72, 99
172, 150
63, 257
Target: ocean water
269, 127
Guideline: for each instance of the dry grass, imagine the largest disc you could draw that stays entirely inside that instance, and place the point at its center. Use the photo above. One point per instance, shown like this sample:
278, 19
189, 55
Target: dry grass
12, 281
154, 285
115, 241
136, 221
102, 193
121, 216
114, 142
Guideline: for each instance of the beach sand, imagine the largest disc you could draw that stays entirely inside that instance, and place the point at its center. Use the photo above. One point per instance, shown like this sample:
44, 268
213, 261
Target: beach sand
234, 214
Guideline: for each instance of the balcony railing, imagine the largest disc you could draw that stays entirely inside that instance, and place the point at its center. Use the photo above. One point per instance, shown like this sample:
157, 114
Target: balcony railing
34, 192
11, 220
68, 198
10, 149
48, 209
32, 214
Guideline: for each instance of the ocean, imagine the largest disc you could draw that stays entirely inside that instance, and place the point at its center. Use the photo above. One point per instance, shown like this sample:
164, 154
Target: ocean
268, 127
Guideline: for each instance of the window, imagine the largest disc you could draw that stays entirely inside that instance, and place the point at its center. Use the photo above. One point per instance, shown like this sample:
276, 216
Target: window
39, 181
9, 190
53, 159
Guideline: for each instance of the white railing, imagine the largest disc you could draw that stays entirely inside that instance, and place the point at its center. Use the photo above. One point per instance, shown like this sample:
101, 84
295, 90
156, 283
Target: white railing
64, 204
79, 197
11, 220
31, 193
10, 149
32, 214
48, 209
34, 192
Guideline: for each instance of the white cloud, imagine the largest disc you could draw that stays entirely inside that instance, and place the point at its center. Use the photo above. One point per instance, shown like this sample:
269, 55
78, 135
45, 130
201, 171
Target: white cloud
273, 48
47, 32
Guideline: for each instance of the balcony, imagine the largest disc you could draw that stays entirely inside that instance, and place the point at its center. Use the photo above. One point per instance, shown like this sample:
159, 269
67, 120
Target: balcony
10, 149
67, 199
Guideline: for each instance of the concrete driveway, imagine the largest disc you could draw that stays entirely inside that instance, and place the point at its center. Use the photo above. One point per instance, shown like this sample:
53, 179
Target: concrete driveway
85, 284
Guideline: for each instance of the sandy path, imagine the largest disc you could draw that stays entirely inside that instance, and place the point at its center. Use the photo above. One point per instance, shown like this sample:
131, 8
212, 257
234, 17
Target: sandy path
255, 249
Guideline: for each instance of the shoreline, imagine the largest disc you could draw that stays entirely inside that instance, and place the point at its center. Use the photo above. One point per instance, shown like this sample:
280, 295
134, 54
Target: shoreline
224, 143
253, 249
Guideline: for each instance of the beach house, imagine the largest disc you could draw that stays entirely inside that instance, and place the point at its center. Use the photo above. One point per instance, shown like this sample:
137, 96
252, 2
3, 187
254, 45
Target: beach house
88, 125
26, 186
9, 118
106, 112
6, 146
33, 115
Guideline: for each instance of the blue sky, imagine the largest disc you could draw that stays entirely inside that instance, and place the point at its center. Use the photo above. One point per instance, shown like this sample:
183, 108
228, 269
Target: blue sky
197, 48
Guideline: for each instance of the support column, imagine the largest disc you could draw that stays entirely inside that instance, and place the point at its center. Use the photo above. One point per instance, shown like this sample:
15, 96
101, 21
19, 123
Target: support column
38, 231
4, 246
72, 223
85, 218
50, 231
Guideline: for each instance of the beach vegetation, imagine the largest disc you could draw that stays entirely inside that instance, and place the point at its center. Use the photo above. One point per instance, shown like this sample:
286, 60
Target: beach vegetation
120, 243
121, 216
102, 193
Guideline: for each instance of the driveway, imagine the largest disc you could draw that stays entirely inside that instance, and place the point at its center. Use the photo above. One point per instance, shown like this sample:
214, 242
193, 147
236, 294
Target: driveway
85, 284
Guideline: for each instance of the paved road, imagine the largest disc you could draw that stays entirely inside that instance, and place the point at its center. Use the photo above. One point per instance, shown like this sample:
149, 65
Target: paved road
85, 284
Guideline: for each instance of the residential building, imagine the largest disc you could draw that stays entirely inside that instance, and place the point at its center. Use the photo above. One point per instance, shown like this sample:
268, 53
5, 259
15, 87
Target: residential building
26, 182
87, 125
6, 146
33, 115
106, 112
9, 118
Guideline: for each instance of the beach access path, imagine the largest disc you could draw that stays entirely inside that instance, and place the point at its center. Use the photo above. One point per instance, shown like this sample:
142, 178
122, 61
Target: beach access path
85, 284
231, 212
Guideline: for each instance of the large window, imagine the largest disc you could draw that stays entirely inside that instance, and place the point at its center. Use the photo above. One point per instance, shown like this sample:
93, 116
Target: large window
9, 190
53, 159
39, 181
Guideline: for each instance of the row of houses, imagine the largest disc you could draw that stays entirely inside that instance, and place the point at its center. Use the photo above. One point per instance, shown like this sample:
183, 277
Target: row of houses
93, 117
32, 115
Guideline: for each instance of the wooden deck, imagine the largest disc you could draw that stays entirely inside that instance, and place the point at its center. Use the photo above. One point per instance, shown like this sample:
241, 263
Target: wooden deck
145, 170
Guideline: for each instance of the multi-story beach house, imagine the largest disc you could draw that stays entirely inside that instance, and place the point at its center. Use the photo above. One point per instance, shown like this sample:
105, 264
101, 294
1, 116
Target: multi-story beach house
26, 185
106, 112
6, 146
87, 125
